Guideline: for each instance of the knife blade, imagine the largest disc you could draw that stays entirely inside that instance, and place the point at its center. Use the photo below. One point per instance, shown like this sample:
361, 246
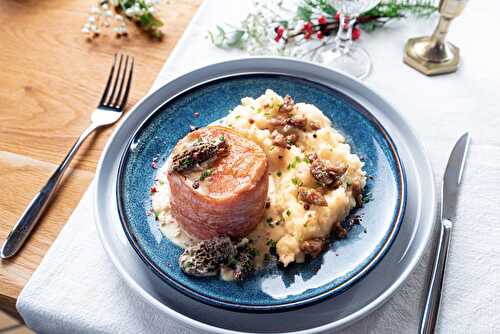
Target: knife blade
449, 193
453, 176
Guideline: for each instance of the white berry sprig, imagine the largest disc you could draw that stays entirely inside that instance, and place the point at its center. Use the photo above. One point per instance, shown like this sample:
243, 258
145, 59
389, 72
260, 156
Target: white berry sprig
115, 14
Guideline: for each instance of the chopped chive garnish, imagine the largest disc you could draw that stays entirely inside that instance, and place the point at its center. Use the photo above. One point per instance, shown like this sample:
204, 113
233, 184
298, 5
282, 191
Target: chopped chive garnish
254, 252
271, 243
294, 163
296, 181
206, 173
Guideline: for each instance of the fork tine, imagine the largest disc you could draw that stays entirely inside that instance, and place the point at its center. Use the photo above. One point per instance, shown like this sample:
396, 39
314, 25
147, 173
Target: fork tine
110, 77
119, 94
127, 89
117, 77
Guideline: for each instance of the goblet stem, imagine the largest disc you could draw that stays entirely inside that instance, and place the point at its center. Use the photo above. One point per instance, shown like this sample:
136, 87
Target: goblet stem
344, 34
441, 31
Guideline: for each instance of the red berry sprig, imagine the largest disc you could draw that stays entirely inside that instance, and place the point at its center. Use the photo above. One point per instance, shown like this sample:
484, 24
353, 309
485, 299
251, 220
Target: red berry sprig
322, 20
322, 23
280, 31
356, 33
308, 30
323, 28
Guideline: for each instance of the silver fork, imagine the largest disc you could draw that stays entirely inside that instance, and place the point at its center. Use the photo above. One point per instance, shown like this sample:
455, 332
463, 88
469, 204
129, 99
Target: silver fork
108, 111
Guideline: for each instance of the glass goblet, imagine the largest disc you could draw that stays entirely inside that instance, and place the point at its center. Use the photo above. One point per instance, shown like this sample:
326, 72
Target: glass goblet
344, 55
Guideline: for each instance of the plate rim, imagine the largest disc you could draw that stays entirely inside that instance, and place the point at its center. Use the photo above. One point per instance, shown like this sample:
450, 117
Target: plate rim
360, 273
397, 117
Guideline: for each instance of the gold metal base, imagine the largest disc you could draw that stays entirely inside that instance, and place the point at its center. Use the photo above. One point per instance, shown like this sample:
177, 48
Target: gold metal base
431, 58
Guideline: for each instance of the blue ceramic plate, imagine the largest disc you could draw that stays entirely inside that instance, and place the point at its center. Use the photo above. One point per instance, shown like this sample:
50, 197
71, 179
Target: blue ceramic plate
274, 288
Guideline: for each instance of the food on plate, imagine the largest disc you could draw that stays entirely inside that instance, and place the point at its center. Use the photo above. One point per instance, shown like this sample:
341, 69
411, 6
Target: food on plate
272, 179
219, 183
219, 255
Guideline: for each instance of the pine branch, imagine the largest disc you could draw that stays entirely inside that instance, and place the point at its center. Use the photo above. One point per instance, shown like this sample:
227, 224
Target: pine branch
265, 31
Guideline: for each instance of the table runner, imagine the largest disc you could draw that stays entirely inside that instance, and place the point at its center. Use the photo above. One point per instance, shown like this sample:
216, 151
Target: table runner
76, 289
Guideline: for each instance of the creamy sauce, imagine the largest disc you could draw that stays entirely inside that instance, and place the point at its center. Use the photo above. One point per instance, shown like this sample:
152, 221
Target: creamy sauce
161, 206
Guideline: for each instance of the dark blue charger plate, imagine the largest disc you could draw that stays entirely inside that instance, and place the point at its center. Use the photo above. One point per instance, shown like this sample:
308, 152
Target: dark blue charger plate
274, 288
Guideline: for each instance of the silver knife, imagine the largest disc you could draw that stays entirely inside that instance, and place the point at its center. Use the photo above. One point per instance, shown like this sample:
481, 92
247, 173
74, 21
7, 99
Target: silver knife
449, 194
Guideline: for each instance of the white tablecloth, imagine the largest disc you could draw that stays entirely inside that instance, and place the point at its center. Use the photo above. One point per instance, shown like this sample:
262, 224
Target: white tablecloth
77, 290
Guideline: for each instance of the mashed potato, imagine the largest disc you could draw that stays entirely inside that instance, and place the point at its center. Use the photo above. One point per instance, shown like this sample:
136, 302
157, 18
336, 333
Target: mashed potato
289, 223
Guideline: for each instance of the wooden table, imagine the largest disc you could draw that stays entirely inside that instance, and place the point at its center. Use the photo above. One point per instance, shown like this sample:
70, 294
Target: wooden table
50, 80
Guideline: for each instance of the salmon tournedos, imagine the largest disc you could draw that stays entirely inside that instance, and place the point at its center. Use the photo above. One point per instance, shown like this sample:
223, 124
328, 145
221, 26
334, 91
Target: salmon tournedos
218, 182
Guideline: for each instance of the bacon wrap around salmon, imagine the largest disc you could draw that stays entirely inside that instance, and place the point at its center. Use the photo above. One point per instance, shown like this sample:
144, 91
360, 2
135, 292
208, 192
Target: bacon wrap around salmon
231, 200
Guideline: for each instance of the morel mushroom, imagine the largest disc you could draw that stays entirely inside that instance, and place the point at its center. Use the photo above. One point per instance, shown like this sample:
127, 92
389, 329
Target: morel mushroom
314, 126
243, 264
298, 122
327, 176
340, 229
357, 192
311, 196
197, 153
277, 122
292, 138
288, 104
278, 139
313, 247
206, 257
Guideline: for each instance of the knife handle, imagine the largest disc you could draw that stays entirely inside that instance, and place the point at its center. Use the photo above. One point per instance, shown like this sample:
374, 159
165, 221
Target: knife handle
429, 317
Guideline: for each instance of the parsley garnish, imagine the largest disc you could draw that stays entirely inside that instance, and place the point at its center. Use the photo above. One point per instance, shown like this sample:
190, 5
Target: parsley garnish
271, 243
298, 182
294, 163
206, 173
232, 262
254, 252
186, 163
367, 198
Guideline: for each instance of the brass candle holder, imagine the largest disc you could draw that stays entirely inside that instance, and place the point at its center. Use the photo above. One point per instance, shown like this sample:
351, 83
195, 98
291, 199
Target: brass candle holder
432, 55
